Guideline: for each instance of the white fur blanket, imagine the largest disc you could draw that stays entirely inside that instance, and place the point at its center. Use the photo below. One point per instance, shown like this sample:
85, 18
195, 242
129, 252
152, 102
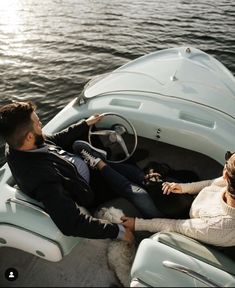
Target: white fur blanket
120, 253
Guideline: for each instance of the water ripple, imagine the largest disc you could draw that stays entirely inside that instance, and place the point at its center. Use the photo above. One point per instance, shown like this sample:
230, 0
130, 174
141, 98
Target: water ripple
50, 49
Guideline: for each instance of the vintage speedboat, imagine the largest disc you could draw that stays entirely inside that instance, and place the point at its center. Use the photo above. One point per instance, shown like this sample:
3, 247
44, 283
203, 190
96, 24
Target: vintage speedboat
178, 104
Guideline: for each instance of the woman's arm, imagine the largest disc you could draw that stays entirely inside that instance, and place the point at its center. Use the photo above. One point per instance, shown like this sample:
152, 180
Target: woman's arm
195, 187
181, 188
205, 230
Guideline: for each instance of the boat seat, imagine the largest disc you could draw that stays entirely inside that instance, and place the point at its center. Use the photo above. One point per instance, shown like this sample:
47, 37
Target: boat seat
25, 225
19, 195
220, 257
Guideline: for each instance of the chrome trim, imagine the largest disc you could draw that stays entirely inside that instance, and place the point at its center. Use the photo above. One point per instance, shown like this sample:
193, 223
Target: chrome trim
139, 281
26, 204
190, 272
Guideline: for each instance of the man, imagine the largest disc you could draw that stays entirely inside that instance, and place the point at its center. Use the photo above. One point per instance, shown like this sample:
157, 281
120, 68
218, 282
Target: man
45, 168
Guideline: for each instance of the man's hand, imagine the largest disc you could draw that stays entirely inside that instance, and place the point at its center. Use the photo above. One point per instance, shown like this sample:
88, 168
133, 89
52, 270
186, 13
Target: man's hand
94, 119
128, 222
173, 187
128, 236
152, 176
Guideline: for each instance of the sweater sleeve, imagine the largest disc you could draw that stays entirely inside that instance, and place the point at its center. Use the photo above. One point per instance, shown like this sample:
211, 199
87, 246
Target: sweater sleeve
207, 231
195, 187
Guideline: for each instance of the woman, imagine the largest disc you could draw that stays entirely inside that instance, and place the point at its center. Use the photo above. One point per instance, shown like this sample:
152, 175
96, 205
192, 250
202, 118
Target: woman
212, 213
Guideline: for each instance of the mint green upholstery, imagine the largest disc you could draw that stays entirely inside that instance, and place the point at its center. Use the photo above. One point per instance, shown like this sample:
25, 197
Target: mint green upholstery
210, 254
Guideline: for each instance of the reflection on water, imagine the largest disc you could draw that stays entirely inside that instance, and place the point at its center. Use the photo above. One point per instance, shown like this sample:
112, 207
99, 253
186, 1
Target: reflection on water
50, 48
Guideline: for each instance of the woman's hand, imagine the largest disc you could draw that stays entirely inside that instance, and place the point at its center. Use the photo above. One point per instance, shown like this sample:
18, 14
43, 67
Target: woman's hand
94, 119
128, 222
172, 187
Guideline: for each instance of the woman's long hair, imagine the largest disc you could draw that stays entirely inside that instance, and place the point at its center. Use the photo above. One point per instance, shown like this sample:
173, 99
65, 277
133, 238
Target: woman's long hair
230, 167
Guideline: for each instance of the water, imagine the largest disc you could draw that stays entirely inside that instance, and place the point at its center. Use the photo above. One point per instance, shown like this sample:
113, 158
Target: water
50, 48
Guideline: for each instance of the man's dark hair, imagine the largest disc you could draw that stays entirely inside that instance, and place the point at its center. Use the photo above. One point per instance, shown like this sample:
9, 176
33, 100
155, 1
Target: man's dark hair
16, 122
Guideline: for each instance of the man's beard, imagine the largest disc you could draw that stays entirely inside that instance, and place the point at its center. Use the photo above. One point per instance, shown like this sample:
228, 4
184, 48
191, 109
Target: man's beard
39, 139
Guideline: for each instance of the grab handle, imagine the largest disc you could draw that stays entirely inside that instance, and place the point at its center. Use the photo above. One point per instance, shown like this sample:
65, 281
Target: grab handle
190, 272
26, 204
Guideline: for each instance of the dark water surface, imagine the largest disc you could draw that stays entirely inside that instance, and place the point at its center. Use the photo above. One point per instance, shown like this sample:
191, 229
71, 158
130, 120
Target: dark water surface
50, 48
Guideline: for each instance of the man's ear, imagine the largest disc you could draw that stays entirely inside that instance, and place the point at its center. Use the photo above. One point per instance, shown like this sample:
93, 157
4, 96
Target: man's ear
29, 137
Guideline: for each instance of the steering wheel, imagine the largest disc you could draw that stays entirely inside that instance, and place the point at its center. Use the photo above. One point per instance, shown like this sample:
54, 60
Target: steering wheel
114, 136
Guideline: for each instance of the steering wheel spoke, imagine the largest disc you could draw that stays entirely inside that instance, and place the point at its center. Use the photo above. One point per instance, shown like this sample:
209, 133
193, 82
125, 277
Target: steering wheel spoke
102, 132
116, 135
123, 145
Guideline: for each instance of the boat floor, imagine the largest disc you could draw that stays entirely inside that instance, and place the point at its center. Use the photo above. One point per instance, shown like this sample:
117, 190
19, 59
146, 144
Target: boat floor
87, 265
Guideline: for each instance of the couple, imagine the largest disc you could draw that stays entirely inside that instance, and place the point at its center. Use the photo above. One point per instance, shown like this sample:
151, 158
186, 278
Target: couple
51, 169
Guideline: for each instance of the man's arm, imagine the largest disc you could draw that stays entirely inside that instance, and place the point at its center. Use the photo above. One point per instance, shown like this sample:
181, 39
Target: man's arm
66, 137
63, 211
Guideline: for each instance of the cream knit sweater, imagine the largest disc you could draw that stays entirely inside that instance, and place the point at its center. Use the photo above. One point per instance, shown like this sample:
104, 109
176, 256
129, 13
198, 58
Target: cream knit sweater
211, 220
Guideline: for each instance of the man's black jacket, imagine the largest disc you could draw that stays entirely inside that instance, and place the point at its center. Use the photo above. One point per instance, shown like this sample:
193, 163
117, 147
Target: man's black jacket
55, 182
